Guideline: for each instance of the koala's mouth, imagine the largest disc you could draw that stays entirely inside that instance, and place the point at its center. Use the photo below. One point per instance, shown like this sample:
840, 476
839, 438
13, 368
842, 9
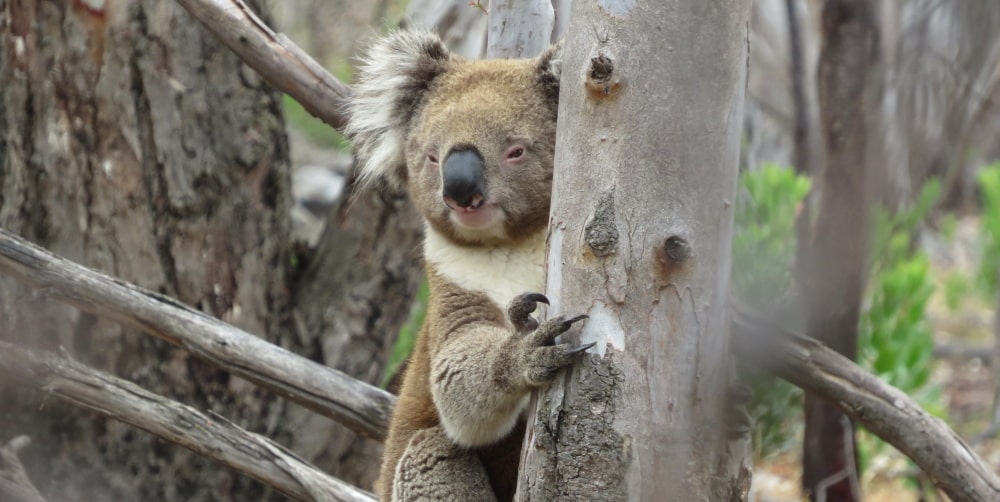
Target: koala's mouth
483, 215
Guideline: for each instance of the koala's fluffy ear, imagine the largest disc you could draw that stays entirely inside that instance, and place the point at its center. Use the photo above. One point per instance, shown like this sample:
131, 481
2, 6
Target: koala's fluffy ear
549, 70
392, 79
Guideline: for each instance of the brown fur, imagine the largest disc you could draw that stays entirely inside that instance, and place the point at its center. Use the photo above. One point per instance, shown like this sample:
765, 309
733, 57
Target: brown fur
456, 432
488, 104
415, 410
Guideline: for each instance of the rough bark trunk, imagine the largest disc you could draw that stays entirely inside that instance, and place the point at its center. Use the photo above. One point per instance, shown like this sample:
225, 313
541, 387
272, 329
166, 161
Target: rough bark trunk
650, 115
832, 274
117, 156
136, 144
349, 305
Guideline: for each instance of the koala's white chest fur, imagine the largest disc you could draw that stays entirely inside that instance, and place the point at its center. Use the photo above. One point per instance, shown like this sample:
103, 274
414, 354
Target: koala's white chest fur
500, 272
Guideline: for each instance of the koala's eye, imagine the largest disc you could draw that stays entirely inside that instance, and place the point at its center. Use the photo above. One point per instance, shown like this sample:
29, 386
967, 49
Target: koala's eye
514, 153
432, 158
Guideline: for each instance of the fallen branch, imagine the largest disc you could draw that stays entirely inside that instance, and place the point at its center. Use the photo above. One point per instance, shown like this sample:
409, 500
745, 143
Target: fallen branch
15, 485
284, 64
884, 410
212, 437
360, 406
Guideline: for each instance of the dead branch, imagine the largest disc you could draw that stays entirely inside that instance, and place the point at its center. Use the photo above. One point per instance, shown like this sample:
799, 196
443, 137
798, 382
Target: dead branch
15, 485
359, 406
213, 437
274, 56
884, 410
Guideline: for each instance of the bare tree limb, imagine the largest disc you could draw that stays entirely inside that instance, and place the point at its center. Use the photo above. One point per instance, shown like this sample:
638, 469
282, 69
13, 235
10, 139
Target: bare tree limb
884, 410
359, 406
15, 485
274, 56
213, 437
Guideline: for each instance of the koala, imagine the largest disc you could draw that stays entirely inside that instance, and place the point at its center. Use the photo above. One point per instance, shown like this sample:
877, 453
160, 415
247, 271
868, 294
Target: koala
472, 142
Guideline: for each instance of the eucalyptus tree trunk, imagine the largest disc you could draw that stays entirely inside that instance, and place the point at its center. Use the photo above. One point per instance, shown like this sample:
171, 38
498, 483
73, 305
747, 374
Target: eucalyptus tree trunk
519, 28
461, 26
650, 115
833, 272
131, 141
125, 154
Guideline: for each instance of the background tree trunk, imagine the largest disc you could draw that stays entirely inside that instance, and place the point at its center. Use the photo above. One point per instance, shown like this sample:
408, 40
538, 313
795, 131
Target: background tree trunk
640, 240
832, 275
134, 143
519, 28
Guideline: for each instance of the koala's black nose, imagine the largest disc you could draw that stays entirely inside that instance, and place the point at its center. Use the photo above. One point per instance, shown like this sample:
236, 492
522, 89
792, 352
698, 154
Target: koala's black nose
463, 178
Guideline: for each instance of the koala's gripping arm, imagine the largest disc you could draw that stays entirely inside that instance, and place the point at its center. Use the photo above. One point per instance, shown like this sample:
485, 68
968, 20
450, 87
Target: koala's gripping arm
482, 372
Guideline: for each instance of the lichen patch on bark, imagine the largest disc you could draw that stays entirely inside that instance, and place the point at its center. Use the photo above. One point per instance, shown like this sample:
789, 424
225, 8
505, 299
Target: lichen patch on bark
601, 234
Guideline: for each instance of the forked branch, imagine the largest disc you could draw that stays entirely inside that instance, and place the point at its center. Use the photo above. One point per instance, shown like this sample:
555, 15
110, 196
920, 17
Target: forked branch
360, 406
212, 437
284, 64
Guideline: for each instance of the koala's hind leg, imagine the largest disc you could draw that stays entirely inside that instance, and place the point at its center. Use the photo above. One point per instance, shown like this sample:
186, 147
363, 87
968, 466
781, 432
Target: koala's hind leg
433, 468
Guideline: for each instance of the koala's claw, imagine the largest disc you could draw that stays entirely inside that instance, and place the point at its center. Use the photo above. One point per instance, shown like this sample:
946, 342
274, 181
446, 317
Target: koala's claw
544, 362
581, 348
546, 333
521, 308
570, 322
543, 358
535, 297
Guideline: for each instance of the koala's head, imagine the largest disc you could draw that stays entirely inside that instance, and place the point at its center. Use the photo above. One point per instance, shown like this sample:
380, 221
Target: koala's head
472, 141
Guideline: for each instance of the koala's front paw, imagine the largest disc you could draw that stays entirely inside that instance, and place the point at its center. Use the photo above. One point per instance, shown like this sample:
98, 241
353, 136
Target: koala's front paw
541, 358
521, 308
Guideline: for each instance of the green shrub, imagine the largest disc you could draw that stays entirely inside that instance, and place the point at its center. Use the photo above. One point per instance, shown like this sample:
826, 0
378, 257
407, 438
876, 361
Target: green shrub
763, 258
764, 239
895, 341
989, 271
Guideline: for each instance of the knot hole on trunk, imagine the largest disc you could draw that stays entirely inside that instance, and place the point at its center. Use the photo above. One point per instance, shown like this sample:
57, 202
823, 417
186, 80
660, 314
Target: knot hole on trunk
602, 79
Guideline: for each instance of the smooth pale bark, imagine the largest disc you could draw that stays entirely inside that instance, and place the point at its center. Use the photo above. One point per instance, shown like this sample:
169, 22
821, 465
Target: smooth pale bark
461, 26
650, 114
519, 28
